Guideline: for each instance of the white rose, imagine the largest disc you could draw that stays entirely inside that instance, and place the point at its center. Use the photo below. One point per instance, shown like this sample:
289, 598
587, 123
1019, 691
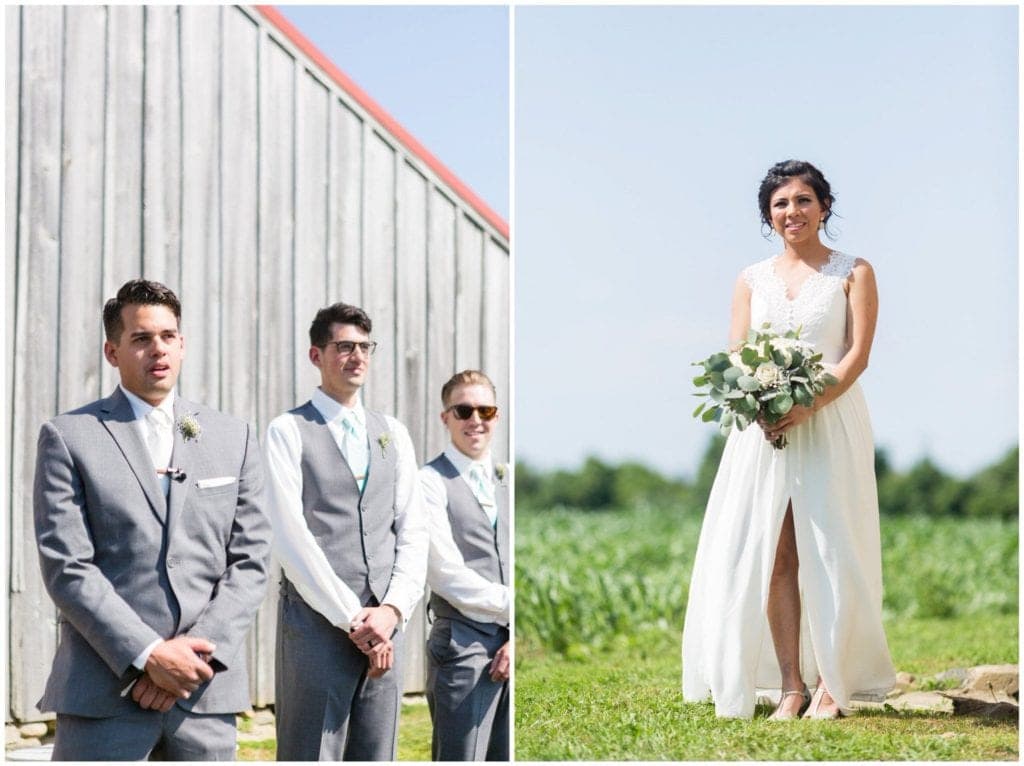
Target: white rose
767, 374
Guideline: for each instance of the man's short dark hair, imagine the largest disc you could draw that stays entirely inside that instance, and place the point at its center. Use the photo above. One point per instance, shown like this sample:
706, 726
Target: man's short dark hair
336, 313
137, 292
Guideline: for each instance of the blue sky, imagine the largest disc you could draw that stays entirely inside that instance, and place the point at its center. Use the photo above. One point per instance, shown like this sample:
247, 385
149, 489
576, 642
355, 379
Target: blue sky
441, 71
641, 137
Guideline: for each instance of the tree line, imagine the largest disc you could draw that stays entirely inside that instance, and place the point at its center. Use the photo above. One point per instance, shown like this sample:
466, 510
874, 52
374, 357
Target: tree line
922, 489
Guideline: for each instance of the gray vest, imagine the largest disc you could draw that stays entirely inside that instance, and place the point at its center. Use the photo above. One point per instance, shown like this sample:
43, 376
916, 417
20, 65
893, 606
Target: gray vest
356, 532
484, 548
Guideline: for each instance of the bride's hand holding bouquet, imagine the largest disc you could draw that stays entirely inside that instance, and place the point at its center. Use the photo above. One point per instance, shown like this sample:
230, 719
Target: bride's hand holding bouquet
769, 379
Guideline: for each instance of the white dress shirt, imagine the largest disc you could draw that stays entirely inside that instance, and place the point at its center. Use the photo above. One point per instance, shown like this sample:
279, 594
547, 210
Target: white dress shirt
304, 562
447, 574
141, 409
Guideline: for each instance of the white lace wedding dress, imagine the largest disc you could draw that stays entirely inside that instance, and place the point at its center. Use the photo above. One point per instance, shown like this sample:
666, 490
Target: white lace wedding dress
827, 470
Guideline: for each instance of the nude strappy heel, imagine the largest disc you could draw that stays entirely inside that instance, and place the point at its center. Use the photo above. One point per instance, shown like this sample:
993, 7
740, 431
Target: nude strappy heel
779, 716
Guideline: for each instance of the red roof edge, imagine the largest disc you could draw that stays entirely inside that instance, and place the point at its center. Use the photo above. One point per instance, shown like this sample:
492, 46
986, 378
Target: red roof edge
271, 14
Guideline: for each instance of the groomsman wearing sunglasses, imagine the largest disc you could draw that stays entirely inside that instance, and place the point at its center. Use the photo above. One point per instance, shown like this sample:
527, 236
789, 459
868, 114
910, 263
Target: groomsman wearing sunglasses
351, 536
468, 652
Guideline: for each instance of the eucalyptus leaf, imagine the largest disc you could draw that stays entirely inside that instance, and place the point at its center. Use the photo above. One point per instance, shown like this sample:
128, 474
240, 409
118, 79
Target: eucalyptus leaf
700, 409
700, 380
748, 383
802, 396
732, 374
781, 405
719, 362
710, 414
716, 395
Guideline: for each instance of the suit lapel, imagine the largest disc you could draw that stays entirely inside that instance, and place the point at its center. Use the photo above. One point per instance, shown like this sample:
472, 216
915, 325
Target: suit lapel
186, 457
119, 420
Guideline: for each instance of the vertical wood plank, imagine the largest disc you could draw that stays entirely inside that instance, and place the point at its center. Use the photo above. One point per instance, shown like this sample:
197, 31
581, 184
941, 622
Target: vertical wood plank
379, 267
440, 314
12, 150
310, 221
469, 246
276, 224
274, 321
410, 346
200, 266
36, 350
162, 148
238, 212
344, 262
411, 303
496, 338
81, 234
122, 164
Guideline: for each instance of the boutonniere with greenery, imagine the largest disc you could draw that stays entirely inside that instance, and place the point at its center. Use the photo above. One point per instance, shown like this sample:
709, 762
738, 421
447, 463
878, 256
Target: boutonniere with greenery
501, 470
384, 440
189, 427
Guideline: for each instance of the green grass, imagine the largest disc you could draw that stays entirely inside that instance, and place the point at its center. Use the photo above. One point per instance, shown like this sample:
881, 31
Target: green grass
612, 706
589, 581
600, 599
414, 732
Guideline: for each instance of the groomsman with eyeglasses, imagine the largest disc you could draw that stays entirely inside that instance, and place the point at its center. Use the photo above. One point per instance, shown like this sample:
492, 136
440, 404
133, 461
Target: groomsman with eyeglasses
351, 536
468, 651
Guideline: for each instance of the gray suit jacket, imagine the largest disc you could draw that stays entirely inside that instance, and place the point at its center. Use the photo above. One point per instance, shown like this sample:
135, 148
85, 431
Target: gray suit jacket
125, 565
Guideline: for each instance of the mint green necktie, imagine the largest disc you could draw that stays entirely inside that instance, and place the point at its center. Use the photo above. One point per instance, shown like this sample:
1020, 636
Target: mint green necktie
484, 491
354, 448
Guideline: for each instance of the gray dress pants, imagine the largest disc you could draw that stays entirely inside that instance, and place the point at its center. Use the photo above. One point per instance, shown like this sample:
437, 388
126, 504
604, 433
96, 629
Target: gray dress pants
177, 735
470, 711
326, 707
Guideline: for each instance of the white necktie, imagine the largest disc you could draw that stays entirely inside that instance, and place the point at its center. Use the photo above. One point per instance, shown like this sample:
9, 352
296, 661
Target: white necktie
160, 440
355, 450
483, 490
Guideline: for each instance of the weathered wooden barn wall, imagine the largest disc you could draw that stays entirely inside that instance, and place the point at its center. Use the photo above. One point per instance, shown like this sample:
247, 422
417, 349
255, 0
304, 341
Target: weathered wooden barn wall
211, 149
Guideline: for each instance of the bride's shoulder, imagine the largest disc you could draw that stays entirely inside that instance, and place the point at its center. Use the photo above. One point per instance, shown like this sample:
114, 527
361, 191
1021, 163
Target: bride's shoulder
845, 265
756, 272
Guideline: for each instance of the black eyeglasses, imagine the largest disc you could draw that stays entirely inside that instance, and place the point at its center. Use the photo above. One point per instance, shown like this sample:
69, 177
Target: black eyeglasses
347, 347
465, 411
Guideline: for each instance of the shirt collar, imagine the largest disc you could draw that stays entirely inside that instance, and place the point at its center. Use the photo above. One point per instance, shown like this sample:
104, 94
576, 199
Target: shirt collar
462, 462
332, 409
141, 408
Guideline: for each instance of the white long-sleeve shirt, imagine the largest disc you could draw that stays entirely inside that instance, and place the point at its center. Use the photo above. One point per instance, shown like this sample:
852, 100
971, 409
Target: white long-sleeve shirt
303, 561
447, 574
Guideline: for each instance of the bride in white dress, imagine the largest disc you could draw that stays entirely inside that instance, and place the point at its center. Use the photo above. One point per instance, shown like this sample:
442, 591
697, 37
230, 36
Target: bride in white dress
787, 583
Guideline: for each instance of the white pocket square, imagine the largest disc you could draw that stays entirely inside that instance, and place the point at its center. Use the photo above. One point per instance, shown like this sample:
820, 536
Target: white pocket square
219, 481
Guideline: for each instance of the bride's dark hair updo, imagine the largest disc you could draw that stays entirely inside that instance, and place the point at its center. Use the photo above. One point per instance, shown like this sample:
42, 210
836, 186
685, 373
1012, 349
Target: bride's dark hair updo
782, 173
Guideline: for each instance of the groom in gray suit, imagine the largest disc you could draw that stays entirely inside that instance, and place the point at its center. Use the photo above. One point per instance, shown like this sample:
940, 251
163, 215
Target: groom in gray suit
153, 544
350, 535
468, 652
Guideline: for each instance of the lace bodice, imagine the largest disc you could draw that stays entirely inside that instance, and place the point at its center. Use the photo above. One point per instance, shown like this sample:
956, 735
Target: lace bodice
819, 309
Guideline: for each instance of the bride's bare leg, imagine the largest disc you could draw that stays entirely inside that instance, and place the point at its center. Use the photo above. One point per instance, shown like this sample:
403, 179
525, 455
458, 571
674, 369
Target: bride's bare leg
784, 613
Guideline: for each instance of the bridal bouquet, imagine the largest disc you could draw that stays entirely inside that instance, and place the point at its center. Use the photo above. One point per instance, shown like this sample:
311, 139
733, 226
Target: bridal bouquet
763, 378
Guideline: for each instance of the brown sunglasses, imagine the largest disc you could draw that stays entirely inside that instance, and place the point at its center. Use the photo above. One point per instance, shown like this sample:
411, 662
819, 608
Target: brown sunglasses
465, 411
